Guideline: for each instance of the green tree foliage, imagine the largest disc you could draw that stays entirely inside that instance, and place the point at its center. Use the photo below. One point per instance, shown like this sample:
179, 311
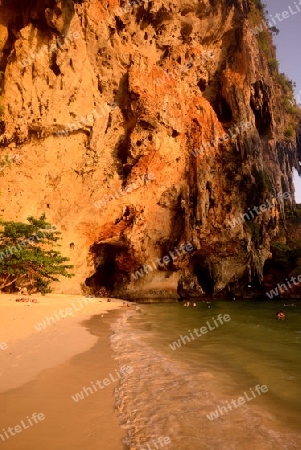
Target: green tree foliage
264, 44
289, 132
255, 232
274, 30
286, 83
27, 255
259, 5
273, 65
285, 95
267, 181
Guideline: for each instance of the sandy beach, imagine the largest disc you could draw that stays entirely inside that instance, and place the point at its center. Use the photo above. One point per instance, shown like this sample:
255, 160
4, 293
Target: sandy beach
41, 370
24, 351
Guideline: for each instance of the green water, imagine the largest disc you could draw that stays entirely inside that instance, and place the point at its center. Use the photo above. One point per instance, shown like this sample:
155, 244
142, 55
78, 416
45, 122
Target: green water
253, 348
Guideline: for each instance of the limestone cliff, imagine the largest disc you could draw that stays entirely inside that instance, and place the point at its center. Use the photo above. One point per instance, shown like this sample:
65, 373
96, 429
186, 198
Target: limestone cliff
106, 105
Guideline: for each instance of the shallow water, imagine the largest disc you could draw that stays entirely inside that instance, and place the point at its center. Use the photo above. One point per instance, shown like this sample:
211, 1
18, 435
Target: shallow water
171, 392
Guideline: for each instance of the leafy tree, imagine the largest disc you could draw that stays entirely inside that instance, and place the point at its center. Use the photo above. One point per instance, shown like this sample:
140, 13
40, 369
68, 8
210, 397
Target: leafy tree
273, 65
289, 132
264, 42
286, 83
274, 30
27, 255
259, 5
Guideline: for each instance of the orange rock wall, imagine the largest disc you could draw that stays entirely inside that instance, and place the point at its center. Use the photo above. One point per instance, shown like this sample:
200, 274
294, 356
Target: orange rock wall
95, 98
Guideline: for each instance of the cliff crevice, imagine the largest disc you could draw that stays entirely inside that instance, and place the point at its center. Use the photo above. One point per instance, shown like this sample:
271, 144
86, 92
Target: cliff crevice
99, 95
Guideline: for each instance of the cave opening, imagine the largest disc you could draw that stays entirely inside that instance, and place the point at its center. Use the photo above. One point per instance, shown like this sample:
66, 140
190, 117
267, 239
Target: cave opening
223, 110
104, 256
54, 66
260, 104
220, 105
202, 84
262, 119
202, 272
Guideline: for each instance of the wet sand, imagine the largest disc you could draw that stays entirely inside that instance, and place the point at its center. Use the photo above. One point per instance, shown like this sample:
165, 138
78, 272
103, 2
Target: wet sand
41, 370
28, 351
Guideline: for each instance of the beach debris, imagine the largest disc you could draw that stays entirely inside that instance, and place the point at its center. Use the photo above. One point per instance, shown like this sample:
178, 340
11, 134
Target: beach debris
27, 300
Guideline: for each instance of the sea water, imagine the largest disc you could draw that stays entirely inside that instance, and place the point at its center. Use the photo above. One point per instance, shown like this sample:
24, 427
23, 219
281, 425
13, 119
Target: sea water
171, 393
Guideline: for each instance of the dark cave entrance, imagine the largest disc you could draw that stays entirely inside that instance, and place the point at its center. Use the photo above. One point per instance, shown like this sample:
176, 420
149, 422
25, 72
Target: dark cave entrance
259, 103
223, 110
104, 256
219, 104
202, 272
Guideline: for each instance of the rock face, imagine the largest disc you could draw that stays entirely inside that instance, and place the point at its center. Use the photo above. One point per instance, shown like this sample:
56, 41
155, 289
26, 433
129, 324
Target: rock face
141, 129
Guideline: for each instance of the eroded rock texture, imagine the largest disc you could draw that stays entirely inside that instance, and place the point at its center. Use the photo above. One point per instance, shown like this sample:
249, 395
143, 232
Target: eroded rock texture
96, 97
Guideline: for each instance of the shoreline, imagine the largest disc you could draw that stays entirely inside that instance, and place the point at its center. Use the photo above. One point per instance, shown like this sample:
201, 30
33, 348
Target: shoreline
25, 351
82, 423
